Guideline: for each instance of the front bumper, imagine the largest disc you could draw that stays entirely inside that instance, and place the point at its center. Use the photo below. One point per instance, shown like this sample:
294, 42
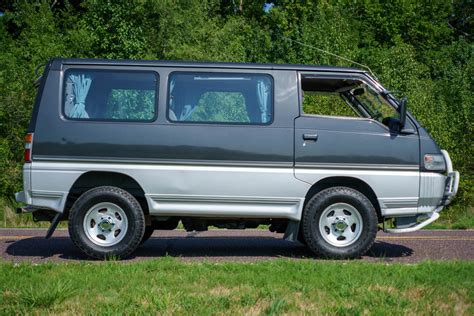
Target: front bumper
452, 180
450, 191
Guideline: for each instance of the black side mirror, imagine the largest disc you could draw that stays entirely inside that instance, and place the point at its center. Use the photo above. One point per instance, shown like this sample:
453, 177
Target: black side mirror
402, 109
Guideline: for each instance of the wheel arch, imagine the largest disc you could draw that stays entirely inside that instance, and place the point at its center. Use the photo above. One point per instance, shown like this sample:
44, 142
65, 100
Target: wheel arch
351, 182
93, 179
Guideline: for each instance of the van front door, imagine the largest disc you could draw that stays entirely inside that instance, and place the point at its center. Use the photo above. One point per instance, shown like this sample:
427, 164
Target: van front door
343, 132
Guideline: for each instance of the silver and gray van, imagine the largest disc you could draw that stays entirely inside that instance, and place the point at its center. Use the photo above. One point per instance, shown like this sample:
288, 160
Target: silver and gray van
325, 155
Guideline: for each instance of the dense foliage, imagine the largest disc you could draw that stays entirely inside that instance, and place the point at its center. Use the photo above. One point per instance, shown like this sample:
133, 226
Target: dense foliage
421, 49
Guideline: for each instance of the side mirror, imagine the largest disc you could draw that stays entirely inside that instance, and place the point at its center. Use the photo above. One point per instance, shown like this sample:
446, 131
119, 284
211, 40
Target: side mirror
402, 109
358, 91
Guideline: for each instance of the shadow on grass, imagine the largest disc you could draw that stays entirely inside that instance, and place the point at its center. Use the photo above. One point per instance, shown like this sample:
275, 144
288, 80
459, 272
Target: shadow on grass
38, 249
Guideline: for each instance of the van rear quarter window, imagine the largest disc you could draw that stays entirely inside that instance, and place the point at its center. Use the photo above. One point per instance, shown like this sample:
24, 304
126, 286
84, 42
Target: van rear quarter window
110, 95
220, 98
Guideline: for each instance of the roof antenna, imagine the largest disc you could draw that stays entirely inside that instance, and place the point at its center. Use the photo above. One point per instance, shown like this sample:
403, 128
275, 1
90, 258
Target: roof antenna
329, 53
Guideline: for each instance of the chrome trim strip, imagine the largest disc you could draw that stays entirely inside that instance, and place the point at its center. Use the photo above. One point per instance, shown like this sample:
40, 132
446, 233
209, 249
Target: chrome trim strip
400, 203
231, 163
46, 194
356, 166
165, 162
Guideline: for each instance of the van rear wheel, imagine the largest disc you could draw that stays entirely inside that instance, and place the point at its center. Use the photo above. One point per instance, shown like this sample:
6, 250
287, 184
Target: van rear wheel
339, 223
106, 222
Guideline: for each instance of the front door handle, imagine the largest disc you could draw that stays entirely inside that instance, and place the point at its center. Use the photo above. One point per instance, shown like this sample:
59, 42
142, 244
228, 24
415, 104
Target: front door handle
312, 137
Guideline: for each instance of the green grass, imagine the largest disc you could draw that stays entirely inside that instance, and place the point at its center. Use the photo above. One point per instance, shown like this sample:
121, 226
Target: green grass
171, 286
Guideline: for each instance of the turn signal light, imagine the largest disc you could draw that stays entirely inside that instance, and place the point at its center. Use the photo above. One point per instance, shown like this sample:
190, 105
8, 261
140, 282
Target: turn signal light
29, 138
434, 162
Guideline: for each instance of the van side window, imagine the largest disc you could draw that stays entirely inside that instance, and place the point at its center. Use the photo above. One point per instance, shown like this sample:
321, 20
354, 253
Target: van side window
110, 95
220, 98
339, 96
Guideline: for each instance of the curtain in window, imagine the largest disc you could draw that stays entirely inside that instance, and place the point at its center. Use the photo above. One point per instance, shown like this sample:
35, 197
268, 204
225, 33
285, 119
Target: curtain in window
263, 92
188, 110
171, 109
81, 85
172, 83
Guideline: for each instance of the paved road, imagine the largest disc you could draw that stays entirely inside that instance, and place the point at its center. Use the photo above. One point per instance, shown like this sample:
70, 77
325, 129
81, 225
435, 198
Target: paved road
29, 245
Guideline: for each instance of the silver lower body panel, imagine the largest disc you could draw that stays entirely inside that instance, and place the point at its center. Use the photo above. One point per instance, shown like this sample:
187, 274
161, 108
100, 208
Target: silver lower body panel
234, 191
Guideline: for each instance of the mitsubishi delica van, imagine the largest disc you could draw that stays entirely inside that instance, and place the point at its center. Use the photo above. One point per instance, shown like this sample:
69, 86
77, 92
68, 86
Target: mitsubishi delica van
325, 155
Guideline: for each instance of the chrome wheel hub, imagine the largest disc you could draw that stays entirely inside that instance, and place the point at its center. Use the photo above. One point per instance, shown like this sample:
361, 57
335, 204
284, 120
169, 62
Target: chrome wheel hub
340, 224
105, 224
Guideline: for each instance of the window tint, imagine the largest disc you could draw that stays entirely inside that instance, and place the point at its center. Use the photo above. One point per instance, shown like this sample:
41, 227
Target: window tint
220, 98
110, 95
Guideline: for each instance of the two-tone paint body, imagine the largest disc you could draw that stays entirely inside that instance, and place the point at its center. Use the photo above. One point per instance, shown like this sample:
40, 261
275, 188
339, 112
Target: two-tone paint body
228, 171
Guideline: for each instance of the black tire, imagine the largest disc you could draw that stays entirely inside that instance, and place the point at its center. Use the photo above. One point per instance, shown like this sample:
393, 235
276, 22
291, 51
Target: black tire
130, 206
148, 232
320, 202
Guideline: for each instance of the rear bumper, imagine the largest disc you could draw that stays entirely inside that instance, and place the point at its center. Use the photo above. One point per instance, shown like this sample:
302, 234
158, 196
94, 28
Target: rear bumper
21, 197
450, 191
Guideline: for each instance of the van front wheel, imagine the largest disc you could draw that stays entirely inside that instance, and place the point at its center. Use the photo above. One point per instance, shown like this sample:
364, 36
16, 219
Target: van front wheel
106, 222
339, 223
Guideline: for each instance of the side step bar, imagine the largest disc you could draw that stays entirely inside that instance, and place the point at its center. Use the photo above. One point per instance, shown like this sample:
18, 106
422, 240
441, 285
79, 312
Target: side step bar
432, 217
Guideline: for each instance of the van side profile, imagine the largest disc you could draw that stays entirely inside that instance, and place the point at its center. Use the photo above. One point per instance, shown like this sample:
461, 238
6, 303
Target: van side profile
325, 155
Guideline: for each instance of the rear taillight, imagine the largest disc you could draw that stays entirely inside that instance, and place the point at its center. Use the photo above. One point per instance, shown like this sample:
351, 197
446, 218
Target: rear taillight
28, 146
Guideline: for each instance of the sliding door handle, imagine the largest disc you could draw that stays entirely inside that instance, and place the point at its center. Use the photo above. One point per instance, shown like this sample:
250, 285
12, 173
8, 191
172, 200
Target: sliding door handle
312, 137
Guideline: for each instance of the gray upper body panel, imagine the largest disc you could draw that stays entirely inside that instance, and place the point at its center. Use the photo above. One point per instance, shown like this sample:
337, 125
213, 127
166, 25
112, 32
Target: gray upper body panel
341, 141
57, 138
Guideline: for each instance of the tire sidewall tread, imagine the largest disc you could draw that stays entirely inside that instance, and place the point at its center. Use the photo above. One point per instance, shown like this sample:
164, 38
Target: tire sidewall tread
132, 209
313, 211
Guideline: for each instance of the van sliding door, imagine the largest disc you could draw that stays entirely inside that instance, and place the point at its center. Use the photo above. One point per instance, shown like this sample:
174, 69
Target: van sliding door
226, 145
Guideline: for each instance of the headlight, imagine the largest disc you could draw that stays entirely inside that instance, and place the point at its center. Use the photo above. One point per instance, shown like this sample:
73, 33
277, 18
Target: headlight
434, 162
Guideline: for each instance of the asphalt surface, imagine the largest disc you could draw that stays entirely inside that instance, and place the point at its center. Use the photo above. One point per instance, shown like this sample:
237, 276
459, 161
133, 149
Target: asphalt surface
17, 245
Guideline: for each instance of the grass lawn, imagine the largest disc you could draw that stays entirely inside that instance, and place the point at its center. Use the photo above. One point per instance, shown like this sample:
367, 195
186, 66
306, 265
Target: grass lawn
170, 286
